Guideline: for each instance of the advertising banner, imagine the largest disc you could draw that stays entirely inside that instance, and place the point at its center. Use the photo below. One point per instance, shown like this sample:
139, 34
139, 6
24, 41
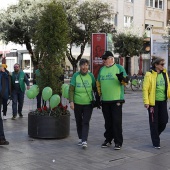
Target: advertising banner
159, 47
98, 47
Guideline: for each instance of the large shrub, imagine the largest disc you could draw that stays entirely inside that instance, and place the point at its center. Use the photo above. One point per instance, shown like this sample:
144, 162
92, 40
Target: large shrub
50, 41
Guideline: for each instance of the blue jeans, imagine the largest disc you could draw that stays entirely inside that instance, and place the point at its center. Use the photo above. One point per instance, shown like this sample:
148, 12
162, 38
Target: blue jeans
2, 136
17, 97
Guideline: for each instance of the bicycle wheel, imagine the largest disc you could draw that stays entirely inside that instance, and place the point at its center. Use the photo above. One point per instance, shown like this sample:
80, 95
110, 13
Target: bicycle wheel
128, 85
135, 84
141, 84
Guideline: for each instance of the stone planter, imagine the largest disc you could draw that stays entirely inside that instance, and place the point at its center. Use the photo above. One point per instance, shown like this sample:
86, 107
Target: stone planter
48, 126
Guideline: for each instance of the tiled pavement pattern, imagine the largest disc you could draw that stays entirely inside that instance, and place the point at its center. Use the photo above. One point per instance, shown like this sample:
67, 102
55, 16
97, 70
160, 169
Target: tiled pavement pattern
137, 153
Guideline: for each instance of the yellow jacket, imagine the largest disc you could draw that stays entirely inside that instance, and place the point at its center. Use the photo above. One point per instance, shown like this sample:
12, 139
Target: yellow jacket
149, 87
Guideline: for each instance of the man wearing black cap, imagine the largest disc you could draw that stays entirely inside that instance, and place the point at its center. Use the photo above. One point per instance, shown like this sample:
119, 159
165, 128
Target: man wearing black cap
110, 84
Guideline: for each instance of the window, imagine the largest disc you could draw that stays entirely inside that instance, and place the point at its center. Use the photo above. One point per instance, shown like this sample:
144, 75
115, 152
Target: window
128, 20
155, 3
161, 4
113, 19
129, 1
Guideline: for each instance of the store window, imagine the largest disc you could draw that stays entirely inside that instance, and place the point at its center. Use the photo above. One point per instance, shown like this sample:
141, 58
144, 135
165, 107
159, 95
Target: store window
27, 65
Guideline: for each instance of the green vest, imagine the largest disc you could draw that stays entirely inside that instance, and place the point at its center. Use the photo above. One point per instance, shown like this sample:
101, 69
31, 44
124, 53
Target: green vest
21, 80
37, 76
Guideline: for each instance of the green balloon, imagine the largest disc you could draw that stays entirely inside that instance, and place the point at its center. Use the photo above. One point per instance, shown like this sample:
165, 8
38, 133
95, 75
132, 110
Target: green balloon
63, 87
54, 101
66, 92
35, 89
46, 93
30, 94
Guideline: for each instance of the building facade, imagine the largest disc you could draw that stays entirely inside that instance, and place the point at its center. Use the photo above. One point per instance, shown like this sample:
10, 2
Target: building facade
144, 14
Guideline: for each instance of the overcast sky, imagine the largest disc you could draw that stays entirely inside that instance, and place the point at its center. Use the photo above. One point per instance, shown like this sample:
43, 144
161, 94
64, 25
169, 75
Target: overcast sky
5, 3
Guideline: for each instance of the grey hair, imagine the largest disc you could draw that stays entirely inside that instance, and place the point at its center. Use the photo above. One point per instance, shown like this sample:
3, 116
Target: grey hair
156, 60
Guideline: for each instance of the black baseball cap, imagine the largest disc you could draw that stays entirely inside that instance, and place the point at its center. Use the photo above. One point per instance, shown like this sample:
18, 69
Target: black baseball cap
106, 55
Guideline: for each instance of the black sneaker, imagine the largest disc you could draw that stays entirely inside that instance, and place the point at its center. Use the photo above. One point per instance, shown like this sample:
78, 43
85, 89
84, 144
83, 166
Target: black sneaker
117, 147
4, 142
106, 144
20, 115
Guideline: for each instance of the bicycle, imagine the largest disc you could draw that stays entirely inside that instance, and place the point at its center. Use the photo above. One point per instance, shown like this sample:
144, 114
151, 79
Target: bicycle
128, 85
137, 82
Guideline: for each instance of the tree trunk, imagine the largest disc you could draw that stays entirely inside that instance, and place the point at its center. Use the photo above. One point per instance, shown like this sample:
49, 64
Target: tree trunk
128, 65
74, 68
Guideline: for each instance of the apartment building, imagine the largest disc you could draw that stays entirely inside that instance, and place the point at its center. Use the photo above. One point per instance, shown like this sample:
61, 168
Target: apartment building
144, 14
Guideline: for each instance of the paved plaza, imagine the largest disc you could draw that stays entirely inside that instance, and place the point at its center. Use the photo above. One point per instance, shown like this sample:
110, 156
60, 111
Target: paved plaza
137, 153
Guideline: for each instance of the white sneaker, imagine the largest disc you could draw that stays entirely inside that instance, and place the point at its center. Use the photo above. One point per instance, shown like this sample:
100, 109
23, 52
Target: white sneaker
4, 118
84, 145
79, 142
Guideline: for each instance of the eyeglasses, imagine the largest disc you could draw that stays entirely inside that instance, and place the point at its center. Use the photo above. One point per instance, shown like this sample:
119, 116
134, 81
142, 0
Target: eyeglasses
162, 64
16, 67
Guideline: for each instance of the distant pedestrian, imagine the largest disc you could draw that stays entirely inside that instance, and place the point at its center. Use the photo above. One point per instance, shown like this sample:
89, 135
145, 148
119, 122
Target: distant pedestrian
6, 81
4, 93
19, 79
81, 90
110, 84
36, 80
156, 91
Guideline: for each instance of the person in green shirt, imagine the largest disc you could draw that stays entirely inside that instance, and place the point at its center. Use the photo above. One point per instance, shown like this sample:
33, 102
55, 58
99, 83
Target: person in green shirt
110, 85
36, 80
156, 91
81, 90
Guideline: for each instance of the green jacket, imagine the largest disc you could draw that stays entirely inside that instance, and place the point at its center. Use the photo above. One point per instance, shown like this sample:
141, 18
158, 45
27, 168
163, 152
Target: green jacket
21, 80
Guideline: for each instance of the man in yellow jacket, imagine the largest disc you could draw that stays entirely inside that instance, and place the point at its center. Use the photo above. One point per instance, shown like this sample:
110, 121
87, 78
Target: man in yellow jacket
156, 91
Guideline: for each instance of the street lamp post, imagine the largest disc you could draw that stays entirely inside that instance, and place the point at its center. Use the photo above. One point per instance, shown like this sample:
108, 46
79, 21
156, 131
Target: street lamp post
168, 50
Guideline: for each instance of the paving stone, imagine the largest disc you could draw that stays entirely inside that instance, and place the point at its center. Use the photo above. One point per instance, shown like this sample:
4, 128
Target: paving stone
137, 153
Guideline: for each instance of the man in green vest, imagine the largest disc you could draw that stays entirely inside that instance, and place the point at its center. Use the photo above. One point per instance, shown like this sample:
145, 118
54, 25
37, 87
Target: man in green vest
110, 86
19, 79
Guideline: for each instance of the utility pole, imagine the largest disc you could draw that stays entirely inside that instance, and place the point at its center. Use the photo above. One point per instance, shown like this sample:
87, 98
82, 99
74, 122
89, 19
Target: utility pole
168, 48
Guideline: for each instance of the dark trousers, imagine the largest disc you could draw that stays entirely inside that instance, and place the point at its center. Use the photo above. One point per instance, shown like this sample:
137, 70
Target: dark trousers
82, 115
17, 98
113, 122
39, 98
158, 118
4, 103
2, 136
